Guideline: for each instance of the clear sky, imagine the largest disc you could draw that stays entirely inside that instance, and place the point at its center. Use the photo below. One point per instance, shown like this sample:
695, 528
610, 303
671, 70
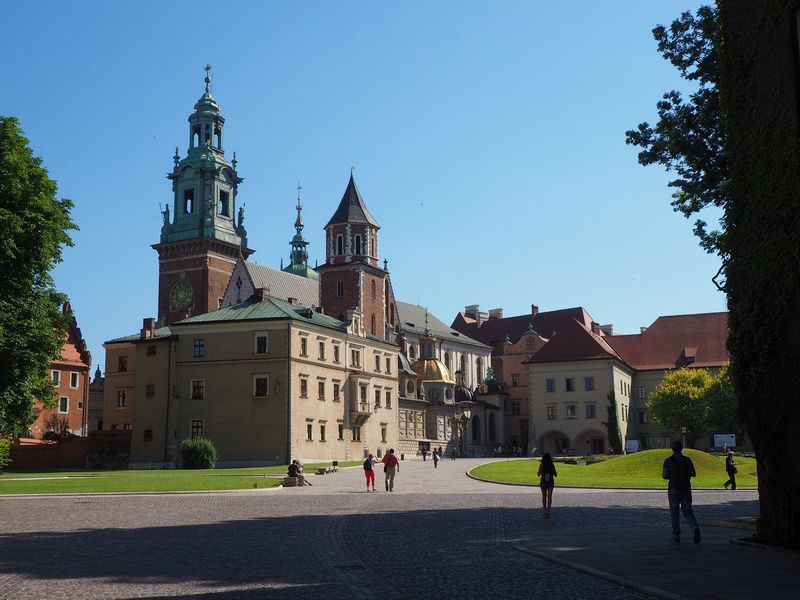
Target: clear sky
487, 139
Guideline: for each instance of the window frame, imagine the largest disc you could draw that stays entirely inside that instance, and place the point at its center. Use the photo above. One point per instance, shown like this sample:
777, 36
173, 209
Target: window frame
76, 377
193, 388
550, 385
260, 377
257, 336
199, 348
65, 401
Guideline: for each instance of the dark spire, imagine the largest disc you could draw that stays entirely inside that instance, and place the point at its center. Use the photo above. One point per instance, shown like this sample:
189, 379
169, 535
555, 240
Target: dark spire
352, 208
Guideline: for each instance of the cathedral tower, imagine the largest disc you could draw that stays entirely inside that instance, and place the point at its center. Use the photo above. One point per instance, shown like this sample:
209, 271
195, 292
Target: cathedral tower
351, 277
298, 259
202, 241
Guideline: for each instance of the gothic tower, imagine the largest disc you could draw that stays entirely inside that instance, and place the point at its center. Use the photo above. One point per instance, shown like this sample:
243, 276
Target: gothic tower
298, 259
351, 277
201, 243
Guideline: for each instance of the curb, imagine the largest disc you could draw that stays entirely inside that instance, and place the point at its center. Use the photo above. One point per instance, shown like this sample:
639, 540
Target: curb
243, 491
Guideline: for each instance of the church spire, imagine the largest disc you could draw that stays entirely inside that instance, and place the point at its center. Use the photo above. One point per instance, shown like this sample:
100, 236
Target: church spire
298, 258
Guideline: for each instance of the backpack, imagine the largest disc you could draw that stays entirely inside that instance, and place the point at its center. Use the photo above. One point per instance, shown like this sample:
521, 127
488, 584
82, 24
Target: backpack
679, 475
368, 464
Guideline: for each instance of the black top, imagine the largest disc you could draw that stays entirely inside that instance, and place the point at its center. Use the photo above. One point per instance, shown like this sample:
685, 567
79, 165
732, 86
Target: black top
351, 208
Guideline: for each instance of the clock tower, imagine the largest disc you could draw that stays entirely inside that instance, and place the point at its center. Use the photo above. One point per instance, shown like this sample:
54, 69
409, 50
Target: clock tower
203, 234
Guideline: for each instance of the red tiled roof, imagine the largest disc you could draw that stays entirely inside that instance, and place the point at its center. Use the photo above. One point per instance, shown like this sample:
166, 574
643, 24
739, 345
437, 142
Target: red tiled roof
494, 331
574, 341
671, 341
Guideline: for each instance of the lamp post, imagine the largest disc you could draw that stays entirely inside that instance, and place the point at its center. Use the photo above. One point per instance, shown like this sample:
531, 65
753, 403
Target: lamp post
683, 436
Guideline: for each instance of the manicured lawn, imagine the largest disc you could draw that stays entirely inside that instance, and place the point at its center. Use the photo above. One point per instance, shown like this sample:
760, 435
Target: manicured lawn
77, 482
638, 470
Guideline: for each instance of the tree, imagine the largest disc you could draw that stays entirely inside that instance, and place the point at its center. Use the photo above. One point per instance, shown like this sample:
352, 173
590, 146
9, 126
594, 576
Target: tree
721, 402
681, 400
34, 227
612, 425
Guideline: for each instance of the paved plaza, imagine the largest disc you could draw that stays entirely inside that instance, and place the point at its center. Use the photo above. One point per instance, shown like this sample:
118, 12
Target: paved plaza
438, 535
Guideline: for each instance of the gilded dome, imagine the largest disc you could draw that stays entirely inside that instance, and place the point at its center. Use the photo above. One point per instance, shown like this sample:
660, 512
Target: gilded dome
432, 370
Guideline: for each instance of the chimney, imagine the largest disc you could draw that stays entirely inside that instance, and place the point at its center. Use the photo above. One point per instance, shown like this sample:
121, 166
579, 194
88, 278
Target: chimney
472, 310
148, 328
259, 295
534, 310
607, 329
292, 301
496, 313
595, 327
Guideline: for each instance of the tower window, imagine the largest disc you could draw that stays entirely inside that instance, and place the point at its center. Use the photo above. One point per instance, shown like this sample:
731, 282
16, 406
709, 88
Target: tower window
218, 138
374, 293
340, 291
223, 203
195, 137
339, 245
188, 201
372, 324
358, 244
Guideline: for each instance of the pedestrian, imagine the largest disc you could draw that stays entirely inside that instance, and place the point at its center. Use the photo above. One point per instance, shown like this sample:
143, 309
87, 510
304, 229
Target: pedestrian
424, 453
391, 466
725, 449
435, 459
547, 481
453, 453
730, 467
679, 470
441, 454
369, 471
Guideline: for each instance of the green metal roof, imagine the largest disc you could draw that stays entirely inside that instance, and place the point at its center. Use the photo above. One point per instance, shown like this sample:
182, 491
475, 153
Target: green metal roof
412, 320
161, 332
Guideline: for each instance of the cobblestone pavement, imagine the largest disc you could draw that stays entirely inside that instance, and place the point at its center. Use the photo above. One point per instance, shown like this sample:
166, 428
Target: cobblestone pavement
439, 535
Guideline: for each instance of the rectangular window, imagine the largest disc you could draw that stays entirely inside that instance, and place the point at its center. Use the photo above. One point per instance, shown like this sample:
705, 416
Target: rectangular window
73, 380
377, 398
309, 432
199, 348
150, 390
198, 389
303, 387
514, 379
197, 428
56, 377
336, 354
571, 412
322, 433
340, 288
188, 201
223, 203
341, 431
303, 347
642, 392
122, 398
355, 358
151, 351
356, 434
127, 426
551, 413
322, 350
388, 398
383, 433
590, 411
378, 363
122, 364
388, 365
515, 407
148, 435
63, 404
551, 384
642, 416
336, 392
363, 393
80, 404
569, 384
588, 384
261, 386
321, 390
261, 343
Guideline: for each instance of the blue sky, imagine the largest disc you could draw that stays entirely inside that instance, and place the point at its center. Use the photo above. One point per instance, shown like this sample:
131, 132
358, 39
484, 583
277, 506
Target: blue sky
487, 138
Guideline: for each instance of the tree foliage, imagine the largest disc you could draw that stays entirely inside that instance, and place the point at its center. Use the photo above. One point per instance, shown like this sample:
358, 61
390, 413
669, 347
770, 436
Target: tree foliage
34, 227
681, 400
688, 137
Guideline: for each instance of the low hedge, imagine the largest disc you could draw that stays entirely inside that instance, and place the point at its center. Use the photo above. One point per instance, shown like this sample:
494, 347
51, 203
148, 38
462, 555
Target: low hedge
198, 453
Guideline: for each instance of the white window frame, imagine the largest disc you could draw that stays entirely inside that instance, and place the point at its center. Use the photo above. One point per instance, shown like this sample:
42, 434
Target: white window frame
76, 376
64, 399
55, 376
122, 395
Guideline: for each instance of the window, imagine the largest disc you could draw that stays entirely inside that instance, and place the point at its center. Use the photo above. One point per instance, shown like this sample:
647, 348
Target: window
198, 389
515, 407
339, 245
358, 244
356, 431
73, 380
569, 384
479, 368
341, 430
571, 411
122, 364
188, 201
322, 350
340, 289
641, 392
63, 404
321, 390
514, 379
388, 365
588, 384
261, 386
303, 347
151, 351
148, 435
197, 428
122, 398
363, 389
336, 354
322, 432
336, 392
590, 411
355, 358
378, 363
377, 398
199, 348
261, 343
310, 432
127, 426
412, 352
383, 433
388, 398
550, 383
223, 203
150, 390
551, 413
642, 416
80, 404
56, 377
303, 387
374, 293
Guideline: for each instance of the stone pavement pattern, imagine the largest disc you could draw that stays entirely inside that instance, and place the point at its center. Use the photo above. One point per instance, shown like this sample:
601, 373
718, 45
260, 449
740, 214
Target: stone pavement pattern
439, 535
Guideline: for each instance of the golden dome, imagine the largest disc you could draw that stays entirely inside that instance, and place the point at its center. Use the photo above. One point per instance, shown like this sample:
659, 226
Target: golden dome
431, 370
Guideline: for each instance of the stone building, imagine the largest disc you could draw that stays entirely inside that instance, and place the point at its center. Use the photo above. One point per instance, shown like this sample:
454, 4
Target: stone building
96, 402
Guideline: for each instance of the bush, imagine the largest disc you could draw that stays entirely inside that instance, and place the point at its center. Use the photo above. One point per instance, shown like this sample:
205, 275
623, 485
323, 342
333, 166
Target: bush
5, 452
198, 453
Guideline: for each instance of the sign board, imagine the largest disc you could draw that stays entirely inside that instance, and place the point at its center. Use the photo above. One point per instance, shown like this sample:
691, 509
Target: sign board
631, 446
728, 438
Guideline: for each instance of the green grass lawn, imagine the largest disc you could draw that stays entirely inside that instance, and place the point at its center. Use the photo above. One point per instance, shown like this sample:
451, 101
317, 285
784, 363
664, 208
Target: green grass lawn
79, 482
638, 470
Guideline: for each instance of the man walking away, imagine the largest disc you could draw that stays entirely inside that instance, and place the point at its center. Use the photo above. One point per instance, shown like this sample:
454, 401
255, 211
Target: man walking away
435, 459
730, 467
424, 453
679, 470
390, 466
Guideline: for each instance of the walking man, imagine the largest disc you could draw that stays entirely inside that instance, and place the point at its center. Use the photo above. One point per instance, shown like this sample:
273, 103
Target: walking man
435, 459
679, 470
391, 466
730, 467
424, 453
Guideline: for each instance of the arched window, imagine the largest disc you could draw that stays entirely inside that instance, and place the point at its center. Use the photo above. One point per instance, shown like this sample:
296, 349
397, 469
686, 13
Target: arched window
196, 137
391, 313
372, 324
492, 434
447, 361
373, 290
410, 388
480, 370
217, 138
357, 243
339, 245
464, 366
476, 428
412, 352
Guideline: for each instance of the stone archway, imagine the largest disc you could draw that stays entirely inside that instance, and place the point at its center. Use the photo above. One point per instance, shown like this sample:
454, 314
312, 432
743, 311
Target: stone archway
555, 442
591, 441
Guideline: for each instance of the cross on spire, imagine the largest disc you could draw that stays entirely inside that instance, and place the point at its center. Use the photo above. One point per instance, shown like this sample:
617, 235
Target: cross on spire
207, 69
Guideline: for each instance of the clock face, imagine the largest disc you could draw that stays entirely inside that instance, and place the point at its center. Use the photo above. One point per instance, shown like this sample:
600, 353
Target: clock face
181, 296
434, 394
